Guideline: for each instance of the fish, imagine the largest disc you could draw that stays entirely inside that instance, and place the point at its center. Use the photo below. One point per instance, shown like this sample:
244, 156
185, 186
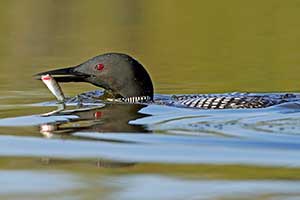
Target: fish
56, 90
54, 87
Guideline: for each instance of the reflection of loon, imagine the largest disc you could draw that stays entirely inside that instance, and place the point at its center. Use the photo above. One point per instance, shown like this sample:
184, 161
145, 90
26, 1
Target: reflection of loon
111, 118
128, 81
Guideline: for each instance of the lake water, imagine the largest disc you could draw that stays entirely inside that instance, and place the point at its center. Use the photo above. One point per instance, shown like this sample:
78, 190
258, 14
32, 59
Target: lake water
151, 152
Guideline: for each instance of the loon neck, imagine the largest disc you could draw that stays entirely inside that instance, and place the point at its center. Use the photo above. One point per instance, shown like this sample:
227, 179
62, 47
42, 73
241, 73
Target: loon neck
135, 99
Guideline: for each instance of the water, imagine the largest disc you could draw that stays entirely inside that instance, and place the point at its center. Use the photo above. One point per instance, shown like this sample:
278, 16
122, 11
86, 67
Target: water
154, 151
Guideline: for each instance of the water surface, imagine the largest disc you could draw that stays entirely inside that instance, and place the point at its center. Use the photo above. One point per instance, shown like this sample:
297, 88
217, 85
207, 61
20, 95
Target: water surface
155, 151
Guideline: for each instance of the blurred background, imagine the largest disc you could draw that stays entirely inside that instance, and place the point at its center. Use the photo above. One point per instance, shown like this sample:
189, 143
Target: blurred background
187, 46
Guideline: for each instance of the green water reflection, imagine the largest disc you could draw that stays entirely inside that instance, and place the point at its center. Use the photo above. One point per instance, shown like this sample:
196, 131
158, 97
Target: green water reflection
200, 46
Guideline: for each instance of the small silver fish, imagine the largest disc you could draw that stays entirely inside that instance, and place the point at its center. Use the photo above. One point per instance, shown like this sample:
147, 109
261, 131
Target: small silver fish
53, 86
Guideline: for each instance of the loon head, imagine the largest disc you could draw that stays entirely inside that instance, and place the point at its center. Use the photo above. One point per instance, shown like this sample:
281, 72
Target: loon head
120, 73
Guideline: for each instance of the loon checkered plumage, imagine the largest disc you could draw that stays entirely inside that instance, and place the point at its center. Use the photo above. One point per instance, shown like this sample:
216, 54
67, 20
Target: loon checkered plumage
128, 81
233, 101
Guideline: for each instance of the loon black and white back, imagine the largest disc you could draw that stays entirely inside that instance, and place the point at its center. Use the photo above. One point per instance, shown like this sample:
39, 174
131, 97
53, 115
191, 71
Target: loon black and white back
231, 100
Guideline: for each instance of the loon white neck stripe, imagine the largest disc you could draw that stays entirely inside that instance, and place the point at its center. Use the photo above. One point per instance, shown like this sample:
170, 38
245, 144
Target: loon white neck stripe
138, 99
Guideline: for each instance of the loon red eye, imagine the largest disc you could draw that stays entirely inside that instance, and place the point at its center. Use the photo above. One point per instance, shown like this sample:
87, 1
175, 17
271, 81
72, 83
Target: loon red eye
99, 67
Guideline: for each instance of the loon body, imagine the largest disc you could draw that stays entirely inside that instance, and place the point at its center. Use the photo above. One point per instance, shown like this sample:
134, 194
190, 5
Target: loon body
126, 80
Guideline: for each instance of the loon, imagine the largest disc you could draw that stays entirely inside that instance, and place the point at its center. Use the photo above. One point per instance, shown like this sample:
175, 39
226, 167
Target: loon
128, 81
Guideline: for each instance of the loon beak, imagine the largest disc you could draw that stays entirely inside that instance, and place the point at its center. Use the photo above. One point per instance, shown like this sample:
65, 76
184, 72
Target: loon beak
64, 75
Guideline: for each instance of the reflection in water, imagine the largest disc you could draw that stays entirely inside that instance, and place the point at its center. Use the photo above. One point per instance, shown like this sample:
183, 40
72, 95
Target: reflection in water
111, 118
230, 136
175, 188
47, 184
